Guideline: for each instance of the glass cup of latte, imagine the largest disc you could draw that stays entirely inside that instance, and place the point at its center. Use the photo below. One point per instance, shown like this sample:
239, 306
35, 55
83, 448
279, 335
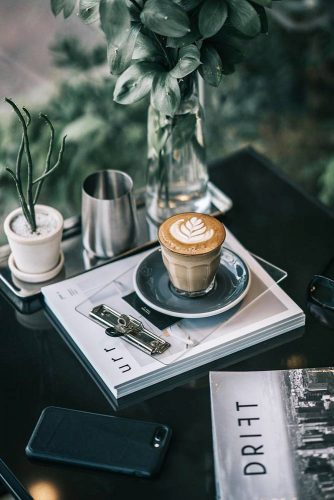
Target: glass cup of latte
191, 246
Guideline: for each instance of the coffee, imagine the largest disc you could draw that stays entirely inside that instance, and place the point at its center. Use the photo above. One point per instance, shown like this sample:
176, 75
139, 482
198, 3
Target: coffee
191, 245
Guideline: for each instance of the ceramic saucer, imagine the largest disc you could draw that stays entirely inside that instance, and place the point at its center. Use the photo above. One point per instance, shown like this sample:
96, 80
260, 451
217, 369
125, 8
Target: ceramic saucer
35, 278
151, 283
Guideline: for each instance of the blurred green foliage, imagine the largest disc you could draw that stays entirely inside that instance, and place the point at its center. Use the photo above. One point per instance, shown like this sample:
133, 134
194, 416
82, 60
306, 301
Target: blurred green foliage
281, 101
100, 133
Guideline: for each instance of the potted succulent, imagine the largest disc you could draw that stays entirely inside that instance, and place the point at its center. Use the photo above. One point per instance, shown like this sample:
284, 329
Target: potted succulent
158, 48
33, 231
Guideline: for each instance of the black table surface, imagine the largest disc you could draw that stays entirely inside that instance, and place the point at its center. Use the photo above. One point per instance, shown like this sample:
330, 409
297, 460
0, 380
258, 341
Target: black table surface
272, 218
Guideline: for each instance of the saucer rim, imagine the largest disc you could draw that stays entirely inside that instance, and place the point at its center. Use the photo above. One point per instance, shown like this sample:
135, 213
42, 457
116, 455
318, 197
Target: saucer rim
204, 314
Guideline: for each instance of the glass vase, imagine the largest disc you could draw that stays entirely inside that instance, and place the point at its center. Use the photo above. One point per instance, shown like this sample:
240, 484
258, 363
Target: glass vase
177, 175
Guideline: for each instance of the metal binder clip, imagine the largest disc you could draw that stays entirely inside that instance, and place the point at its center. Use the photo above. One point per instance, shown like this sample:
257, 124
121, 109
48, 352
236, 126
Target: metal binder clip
132, 330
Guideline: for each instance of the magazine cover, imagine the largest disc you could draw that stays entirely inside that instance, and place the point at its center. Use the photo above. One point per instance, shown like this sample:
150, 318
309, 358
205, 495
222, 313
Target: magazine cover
273, 434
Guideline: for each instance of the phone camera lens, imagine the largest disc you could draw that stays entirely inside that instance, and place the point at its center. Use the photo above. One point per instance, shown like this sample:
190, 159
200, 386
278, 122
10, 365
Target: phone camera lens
159, 436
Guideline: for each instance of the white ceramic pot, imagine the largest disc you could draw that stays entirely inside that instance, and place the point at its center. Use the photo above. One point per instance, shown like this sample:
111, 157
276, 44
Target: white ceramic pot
39, 255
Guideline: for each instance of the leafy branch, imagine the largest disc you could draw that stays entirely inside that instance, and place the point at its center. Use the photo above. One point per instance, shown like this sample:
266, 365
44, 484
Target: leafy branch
154, 45
34, 186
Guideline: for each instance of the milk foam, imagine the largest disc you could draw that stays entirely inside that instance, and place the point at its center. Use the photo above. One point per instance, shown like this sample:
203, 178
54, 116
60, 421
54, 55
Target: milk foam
192, 231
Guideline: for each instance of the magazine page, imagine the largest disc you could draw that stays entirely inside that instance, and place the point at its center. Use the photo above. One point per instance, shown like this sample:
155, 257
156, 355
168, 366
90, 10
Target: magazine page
110, 357
273, 434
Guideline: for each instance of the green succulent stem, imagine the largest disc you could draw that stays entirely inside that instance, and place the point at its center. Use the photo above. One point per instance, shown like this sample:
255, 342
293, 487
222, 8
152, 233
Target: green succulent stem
55, 166
48, 158
19, 160
21, 149
29, 200
23, 203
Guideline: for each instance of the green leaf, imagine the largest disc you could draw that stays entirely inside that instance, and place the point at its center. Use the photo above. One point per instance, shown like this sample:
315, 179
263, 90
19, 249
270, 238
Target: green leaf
119, 58
187, 39
263, 18
57, 6
244, 17
165, 18
135, 9
212, 16
263, 3
183, 130
147, 49
135, 83
229, 47
69, 6
176, 43
188, 4
188, 61
115, 21
89, 10
165, 95
211, 67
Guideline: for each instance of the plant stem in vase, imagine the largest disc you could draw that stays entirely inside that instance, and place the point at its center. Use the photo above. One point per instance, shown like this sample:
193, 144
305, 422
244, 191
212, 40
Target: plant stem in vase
177, 173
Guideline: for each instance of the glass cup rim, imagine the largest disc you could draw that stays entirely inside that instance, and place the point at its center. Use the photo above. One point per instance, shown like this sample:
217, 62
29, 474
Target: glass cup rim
189, 255
219, 246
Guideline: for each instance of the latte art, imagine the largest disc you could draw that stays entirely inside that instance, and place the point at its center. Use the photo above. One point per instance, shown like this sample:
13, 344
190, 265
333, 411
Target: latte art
191, 233
193, 230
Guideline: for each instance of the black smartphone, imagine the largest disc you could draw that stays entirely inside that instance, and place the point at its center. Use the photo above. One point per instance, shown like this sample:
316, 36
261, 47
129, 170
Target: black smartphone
99, 441
10, 485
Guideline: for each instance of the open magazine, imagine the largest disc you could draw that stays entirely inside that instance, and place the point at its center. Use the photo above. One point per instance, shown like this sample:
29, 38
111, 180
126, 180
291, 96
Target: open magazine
121, 368
273, 434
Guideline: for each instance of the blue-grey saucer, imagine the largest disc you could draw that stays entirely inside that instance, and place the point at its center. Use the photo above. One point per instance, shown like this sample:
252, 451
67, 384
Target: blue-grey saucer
151, 284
